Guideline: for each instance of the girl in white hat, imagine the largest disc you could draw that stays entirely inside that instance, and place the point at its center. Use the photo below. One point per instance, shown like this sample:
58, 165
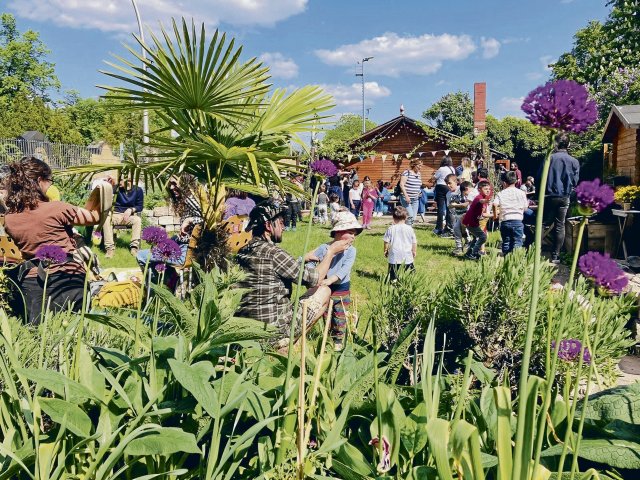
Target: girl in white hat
345, 227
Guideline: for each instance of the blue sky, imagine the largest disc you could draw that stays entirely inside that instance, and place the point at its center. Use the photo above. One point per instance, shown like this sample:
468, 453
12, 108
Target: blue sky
422, 49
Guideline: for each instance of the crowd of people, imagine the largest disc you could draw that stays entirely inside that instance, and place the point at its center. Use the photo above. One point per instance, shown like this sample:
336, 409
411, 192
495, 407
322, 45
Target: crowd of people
465, 200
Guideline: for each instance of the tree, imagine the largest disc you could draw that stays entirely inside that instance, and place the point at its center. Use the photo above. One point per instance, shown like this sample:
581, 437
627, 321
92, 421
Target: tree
23, 68
453, 113
336, 141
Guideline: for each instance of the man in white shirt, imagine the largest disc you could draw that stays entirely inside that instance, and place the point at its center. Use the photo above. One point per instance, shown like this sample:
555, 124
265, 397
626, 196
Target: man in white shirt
512, 203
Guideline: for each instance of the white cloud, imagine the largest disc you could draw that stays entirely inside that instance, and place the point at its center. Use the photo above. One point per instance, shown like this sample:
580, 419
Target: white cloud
490, 47
395, 55
279, 65
511, 105
545, 61
509, 40
118, 15
351, 95
534, 75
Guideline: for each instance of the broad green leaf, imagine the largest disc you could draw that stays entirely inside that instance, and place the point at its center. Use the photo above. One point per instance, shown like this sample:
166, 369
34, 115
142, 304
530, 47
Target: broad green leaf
615, 453
620, 403
67, 414
195, 379
163, 441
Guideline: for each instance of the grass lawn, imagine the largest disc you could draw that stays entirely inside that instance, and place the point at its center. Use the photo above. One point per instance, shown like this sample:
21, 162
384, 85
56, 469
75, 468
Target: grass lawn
434, 254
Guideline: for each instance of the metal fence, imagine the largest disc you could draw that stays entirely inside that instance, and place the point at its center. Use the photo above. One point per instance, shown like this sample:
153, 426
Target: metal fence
59, 156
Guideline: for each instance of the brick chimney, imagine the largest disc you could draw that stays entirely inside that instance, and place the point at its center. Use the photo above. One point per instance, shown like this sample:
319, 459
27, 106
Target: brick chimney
479, 107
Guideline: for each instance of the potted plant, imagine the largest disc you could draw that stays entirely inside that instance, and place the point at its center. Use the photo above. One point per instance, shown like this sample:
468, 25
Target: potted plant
627, 195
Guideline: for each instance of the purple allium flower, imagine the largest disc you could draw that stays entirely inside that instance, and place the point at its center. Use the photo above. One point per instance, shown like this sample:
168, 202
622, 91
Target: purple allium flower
569, 350
603, 272
166, 250
326, 168
160, 267
51, 254
563, 105
593, 196
154, 235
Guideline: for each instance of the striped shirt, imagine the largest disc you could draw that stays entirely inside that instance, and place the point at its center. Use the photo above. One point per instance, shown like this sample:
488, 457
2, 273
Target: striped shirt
414, 182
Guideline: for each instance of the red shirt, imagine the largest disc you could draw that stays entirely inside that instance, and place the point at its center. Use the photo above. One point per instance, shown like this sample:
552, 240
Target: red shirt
472, 217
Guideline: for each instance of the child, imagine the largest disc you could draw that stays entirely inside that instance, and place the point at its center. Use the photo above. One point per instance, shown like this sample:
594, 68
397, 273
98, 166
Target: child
345, 227
453, 195
477, 212
459, 206
400, 244
323, 201
512, 203
334, 206
369, 198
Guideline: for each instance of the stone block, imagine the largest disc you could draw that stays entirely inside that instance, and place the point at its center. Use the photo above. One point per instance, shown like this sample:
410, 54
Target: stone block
168, 220
161, 212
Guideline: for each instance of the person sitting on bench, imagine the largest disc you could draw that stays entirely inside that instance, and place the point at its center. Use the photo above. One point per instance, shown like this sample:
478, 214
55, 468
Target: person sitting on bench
127, 208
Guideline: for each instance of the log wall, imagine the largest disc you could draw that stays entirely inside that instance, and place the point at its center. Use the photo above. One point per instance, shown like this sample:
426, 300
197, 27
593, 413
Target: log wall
404, 141
626, 158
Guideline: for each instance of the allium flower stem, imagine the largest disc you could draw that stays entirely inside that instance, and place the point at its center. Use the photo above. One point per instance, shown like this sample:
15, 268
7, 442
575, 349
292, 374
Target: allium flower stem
592, 367
551, 372
586, 314
520, 463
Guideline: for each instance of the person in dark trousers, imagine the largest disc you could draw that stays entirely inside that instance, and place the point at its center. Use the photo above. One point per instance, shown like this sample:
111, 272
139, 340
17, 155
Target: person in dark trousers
564, 172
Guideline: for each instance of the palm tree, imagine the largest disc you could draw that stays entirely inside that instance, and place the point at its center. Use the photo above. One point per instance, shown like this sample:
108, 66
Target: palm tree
225, 129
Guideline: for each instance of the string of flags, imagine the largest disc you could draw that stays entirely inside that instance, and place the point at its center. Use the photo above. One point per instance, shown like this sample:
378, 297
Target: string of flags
396, 156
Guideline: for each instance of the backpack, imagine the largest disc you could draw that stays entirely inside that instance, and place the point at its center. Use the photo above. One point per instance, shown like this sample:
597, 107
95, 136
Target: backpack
397, 191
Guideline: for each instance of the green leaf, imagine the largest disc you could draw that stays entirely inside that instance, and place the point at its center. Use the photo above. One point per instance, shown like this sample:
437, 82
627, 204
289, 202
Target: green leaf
59, 384
195, 379
620, 403
67, 414
177, 310
615, 453
438, 433
163, 441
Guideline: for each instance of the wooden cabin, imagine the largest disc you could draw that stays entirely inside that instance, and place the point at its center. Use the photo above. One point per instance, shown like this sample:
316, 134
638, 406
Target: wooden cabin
395, 143
623, 131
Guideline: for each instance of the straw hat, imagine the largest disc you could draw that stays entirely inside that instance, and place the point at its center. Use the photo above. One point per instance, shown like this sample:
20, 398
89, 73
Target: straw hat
346, 221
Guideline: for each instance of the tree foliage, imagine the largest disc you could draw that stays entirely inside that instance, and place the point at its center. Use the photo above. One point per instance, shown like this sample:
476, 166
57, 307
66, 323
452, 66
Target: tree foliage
453, 113
24, 69
335, 143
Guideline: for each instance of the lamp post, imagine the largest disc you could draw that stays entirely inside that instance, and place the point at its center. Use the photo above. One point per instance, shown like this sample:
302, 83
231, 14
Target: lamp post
361, 74
145, 112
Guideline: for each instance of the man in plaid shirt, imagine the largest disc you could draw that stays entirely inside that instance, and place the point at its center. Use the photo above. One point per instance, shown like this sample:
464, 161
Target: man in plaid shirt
271, 273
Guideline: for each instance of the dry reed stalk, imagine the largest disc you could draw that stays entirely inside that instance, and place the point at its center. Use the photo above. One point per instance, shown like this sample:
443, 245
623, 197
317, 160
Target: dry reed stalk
301, 402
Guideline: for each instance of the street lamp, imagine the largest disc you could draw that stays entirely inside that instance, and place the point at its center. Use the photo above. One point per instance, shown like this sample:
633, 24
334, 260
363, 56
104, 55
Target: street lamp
361, 74
145, 112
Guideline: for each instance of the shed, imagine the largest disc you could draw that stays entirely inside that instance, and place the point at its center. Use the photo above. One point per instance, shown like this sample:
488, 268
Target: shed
396, 142
622, 130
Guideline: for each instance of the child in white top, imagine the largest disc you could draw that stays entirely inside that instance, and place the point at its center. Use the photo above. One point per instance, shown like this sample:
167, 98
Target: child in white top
400, 244
512, 203
334, 206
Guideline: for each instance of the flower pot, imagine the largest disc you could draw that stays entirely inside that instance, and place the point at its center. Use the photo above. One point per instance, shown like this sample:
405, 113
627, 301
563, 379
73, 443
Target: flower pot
626, 205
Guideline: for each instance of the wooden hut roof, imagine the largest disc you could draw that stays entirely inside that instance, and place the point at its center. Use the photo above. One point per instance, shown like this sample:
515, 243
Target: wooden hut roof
379, 133
625, 115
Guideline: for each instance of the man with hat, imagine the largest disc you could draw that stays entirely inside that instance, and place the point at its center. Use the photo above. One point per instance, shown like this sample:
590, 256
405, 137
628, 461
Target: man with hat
271, 273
